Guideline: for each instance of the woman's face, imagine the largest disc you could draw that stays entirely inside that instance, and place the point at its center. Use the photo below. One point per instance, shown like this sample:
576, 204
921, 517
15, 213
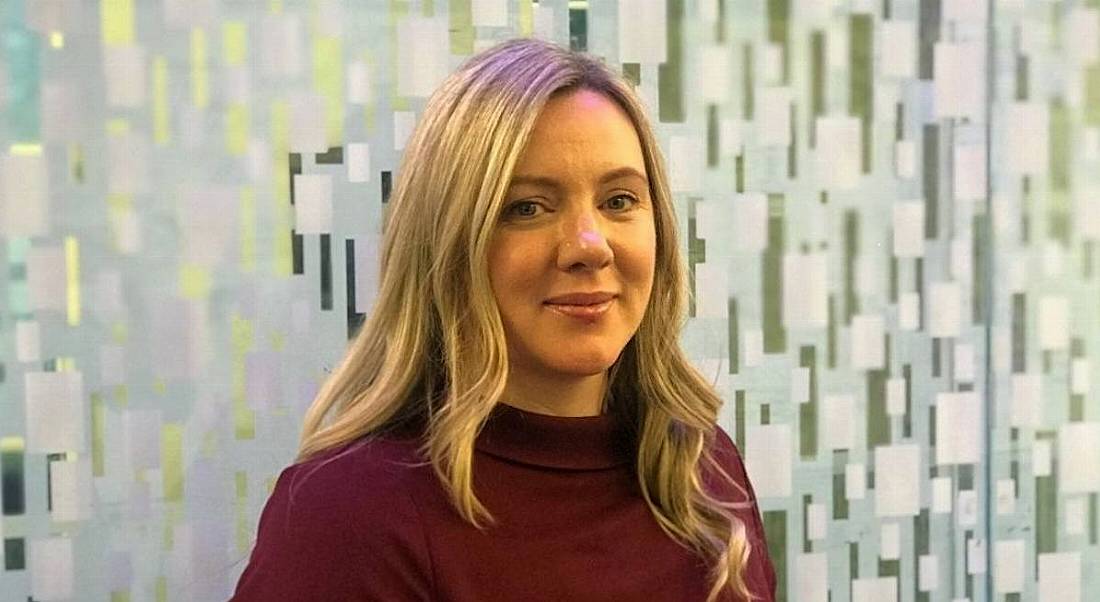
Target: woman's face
577, 218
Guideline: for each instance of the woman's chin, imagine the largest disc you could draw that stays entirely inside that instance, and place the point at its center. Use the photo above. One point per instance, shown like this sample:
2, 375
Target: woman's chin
582, 366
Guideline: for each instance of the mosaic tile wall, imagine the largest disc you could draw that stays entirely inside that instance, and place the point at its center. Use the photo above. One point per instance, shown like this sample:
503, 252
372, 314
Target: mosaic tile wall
891, 209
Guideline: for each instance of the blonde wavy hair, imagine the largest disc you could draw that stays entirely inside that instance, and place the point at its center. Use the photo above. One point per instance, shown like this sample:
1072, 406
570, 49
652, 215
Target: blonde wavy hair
433, 348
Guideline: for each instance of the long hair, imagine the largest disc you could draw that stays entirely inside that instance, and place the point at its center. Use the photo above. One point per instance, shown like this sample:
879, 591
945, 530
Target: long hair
433, 348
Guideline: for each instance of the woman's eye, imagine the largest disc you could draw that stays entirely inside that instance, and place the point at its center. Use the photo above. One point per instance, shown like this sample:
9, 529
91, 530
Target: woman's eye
513, 208
527, 209
623, 196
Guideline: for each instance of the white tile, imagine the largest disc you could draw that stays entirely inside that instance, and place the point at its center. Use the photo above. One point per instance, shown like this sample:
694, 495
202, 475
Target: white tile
54, 412
868, 340
768, 459
313, 203
1060, 577
489, 13
642, 32
1054, 324
959, 434
358, 160
838, 421
855, 481
423, 55
890, 541
909, 229
28, 342
942, 496
811, 572
1008, 566
897, 480
1079, 449
51, 569
928, 573
876, 589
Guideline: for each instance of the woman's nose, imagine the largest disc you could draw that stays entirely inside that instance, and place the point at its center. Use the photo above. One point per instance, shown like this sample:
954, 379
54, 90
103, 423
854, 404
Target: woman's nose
584, 243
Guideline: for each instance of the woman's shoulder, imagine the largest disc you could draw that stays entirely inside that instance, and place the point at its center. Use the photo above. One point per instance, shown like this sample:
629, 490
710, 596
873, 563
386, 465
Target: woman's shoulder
343, 525
727, 456
372, 471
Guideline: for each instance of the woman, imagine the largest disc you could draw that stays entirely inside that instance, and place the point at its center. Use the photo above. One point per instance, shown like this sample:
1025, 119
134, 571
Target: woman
515, 420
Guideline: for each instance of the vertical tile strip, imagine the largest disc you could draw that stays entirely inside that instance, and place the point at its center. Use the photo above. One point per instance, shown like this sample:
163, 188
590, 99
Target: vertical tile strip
355, 319
734, 340
775, 335
861, 83
928, 33
851, 254
670, 74
779, 12
72, 281
172, 461
12, 452
808, 411
1046, 504
930, 179
775, 530
326, 272
817, 83
578, 25
461, 27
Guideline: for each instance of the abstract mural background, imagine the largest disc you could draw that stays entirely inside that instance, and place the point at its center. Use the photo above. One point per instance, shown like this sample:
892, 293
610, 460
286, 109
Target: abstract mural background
891, 209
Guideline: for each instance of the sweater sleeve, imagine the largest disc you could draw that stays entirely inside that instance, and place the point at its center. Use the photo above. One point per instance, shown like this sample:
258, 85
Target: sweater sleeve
320, 538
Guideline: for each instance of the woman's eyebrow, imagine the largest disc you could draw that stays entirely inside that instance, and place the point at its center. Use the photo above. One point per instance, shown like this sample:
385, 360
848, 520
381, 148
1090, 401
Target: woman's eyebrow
548, 182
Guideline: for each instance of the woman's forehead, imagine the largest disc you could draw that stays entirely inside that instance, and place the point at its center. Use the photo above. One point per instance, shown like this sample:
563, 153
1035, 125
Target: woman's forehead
584, 128
606, 174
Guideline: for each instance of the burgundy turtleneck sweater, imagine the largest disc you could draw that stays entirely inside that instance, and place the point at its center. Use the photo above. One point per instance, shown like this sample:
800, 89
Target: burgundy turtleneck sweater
370, 521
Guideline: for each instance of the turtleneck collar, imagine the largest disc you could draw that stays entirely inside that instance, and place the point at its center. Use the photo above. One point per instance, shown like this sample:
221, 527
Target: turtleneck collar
566, 442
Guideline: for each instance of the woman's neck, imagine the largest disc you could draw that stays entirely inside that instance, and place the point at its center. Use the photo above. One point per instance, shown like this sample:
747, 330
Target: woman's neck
579, 396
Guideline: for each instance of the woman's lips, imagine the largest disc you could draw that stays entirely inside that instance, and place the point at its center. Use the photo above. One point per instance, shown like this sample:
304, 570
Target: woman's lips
588, 312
